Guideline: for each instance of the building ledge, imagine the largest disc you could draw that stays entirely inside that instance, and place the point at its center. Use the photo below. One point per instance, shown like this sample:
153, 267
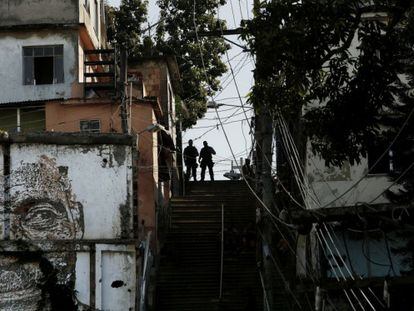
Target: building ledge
19, 246
60, 138
47, 26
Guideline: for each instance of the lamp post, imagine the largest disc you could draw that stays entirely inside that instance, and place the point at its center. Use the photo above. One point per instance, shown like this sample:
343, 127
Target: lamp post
152, 128
213, 104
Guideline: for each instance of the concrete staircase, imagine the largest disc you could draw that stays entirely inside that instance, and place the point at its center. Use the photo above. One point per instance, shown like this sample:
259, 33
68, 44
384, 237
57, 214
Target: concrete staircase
189, 271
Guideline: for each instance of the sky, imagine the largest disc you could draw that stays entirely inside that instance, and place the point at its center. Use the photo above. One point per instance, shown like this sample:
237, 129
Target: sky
237, 128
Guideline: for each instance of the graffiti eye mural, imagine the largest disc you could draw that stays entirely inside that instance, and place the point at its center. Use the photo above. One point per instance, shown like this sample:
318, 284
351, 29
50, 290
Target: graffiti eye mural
47, 219
19, 284
44, 207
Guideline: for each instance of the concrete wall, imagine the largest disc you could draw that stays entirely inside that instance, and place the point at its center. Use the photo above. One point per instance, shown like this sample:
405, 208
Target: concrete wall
157, 83
31, 12
328, 183
70, 214
11, 62
103, 205
88, 16
147, 170
65, 117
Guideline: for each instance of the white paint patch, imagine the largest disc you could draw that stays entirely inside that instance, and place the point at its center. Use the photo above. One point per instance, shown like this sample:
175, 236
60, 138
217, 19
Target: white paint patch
97, 190
327, 184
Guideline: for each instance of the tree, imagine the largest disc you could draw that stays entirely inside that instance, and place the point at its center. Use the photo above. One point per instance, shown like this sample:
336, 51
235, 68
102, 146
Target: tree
352, 58
176, 35
124, 25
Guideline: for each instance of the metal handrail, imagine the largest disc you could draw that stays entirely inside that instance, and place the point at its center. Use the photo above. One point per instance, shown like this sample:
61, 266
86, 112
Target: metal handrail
264, 291
145, 271
222, 252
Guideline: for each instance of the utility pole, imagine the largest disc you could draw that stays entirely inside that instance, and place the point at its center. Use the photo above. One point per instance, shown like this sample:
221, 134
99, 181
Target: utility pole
264, 138
123, 89
264, 156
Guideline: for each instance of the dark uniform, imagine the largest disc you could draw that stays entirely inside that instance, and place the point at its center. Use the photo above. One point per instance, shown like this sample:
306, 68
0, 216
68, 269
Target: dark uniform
206, 159
190, 160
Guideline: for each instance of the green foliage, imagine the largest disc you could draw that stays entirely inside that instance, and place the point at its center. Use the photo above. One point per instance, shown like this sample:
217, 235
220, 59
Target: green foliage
176, 35
348, 71
124, 25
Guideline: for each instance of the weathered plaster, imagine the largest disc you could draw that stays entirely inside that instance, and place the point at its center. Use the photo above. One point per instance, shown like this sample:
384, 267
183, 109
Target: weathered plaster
2, 179
11, 62
99, 190
68, 213
30, 12
328, 183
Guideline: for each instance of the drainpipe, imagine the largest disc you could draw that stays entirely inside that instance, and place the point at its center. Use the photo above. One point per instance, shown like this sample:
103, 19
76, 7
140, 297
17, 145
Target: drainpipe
18, 121
123, 79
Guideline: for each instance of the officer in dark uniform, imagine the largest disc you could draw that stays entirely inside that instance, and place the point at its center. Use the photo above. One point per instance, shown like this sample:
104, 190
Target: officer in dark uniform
206, 160
190, 160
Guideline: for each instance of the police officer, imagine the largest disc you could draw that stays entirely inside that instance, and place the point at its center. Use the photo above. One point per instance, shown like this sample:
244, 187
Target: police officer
206, 160
190, 160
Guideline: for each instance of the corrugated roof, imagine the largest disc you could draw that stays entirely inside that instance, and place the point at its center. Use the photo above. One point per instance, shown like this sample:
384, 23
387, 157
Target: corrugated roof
28, 102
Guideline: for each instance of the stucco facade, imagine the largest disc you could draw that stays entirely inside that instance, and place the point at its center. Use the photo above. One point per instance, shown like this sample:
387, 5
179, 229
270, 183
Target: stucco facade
11, 75
67, 208
33, 12
77, 25
328, 183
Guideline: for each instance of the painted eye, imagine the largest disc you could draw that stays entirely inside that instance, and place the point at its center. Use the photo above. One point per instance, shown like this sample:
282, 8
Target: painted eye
41, 216
45, 220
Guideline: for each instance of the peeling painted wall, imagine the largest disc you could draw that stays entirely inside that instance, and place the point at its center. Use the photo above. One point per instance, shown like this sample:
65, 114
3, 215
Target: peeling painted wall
70, 222
11, 62
328, 183
94, 179
23, 12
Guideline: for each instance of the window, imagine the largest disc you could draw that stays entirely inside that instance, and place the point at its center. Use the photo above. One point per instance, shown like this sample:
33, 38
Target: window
385, 165
25, 119
43, 65
90, 126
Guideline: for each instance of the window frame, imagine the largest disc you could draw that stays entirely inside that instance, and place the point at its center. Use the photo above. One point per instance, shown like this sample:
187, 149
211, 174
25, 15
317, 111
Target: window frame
89, 121
56, 54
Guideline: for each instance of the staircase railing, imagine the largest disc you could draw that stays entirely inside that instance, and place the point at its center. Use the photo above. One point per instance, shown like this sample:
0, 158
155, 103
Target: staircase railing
221, 252
266, 300
145, 272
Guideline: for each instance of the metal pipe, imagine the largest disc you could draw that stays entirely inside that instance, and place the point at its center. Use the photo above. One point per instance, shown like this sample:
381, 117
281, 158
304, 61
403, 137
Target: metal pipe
222, 252
144, 273
18, 121
130, 109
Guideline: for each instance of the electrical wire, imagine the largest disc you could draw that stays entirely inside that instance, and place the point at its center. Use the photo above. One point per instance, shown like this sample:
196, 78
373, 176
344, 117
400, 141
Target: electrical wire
225, 134
376, 162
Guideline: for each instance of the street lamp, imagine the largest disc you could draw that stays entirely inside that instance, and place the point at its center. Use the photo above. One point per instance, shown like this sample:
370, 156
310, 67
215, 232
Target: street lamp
152, 128
213, 104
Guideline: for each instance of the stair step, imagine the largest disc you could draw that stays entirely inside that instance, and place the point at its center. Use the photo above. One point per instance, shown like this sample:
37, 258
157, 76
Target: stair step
188, 278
